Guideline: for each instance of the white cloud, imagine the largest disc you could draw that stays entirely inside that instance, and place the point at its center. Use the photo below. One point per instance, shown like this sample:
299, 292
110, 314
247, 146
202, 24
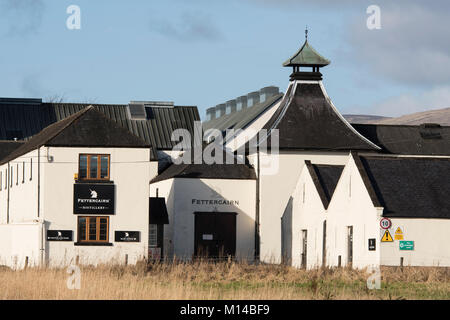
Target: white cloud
411, 48
436, 98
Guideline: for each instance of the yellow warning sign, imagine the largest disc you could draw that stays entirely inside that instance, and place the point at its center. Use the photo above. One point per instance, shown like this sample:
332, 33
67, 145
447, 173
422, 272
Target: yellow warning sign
398, 234
387, 237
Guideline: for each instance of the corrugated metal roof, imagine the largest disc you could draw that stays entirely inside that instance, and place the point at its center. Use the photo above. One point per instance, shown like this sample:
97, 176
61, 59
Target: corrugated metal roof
17, 116
86, 128
240, 119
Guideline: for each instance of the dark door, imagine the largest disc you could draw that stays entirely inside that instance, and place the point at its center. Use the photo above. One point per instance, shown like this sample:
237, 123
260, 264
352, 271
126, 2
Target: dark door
215, 234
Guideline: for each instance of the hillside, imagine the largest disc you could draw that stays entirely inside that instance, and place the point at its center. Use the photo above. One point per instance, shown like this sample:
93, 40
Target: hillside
363, 118
441, 116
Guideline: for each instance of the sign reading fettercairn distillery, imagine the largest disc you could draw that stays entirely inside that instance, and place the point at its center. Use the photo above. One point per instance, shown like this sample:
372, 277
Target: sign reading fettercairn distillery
93, 198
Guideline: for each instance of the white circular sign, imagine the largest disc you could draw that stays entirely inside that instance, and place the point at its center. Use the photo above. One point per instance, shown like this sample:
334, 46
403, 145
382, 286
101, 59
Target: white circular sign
385, 223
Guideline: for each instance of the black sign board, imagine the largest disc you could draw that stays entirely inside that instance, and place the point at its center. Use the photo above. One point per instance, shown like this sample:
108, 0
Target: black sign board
93, 198
372, 244
127, 236
59, 235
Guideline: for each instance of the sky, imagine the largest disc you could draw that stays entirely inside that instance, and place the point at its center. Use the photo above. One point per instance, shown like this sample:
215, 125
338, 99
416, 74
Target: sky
205, 52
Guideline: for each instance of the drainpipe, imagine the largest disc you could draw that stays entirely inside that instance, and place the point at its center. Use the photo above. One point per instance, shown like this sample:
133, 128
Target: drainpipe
41, 221
257, 251
8, 187
39, 184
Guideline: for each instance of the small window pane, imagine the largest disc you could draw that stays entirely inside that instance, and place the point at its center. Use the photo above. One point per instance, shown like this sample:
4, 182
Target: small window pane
83, 167
82, 228
92, 229
153, 236
103, 229
104, 162
93, 163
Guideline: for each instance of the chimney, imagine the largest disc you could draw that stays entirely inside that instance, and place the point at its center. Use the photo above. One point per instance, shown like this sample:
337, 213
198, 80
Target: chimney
220, 110
210, 114
241, 103
230, 106
267, 92
252, 98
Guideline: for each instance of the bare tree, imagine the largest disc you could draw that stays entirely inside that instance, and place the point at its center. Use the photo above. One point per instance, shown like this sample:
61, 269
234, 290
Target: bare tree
56, 98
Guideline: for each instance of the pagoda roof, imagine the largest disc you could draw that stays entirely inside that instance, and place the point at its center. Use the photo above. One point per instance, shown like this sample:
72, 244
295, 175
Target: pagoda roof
306, 56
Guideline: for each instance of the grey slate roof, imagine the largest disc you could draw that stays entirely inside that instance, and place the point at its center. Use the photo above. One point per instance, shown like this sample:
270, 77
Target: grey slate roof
325, 178
307, 121
86, 128
408, 140
409, 187
242, 118
30, 116
7, 147
208, 171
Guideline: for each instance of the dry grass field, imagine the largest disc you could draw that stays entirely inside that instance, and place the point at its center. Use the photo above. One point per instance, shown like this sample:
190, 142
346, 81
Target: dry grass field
225, 280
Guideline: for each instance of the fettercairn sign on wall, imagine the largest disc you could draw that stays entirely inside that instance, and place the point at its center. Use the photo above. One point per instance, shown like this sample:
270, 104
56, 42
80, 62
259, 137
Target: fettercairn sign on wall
93, 198
216, 202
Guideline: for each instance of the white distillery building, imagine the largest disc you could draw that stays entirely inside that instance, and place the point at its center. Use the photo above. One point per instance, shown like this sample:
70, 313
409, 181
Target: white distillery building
100, 185
211, 210
76, 192
320, 201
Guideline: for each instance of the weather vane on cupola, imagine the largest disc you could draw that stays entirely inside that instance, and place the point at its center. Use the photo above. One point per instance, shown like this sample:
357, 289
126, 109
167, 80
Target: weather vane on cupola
306, 56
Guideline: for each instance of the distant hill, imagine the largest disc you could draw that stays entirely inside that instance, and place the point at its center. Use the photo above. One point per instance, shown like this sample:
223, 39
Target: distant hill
363, 118
441, 116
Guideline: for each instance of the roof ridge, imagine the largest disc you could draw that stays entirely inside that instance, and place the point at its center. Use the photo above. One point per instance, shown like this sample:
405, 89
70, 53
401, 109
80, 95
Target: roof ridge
75, 117
23, 149
366, 179
319, 187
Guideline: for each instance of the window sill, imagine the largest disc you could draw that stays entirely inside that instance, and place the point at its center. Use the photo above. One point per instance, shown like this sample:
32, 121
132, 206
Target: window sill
99, 244
94, 181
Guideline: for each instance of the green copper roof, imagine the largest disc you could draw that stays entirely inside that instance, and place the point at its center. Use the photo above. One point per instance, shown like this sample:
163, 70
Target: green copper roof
305, 57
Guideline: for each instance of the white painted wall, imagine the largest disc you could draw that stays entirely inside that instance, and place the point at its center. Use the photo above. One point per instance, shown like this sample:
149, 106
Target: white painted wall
351, 206
179, 234
21, 235
431, 243
308, 214
22, 188
131, 171
277, 188
19, 241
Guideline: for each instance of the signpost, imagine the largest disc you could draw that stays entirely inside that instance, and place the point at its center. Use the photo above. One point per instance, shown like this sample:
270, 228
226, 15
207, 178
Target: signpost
406, 245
